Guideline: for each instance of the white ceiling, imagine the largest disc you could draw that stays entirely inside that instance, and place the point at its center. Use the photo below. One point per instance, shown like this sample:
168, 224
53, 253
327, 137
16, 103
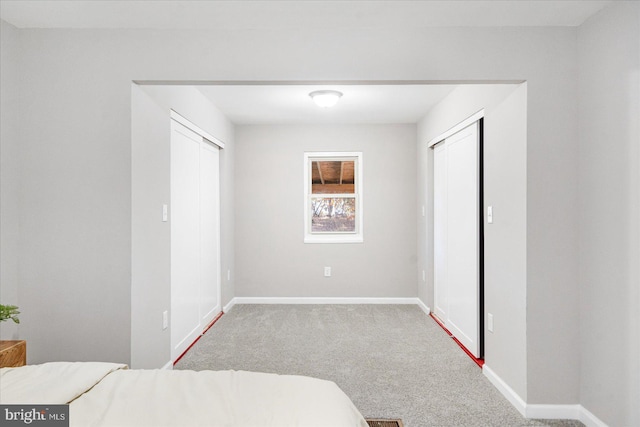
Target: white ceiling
288, 104
255, 104
286, 15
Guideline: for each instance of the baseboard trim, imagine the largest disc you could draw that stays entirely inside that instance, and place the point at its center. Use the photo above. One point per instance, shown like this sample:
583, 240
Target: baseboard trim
506, 391
564, 412
321, 300
423, 307
229, 305
553, 412
588, 419
542, 411
168, 366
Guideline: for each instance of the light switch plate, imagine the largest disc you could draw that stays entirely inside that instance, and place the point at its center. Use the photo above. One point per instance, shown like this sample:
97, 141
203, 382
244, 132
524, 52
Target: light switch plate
490, 214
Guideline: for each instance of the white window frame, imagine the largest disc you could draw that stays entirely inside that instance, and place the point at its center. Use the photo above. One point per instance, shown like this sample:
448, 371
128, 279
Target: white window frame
342, 237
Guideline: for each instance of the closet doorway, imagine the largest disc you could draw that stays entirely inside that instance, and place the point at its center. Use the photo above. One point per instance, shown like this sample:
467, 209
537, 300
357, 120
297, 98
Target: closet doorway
458, 235
195, 234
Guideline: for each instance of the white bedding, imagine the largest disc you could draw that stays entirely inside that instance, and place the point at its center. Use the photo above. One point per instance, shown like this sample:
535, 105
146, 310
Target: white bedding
105, 394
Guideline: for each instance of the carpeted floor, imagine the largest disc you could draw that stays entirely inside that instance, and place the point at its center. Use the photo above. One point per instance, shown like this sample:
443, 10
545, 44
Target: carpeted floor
392, 360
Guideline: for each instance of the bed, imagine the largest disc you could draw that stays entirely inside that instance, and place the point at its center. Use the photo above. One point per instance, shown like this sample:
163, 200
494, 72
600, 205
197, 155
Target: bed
109, 394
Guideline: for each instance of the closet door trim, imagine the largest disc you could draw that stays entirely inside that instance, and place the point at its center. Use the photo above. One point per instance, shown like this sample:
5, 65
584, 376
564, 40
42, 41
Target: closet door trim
457, 128
195, 128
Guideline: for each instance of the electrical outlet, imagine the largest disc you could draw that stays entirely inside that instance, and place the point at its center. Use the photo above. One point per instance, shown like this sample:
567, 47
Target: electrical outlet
228, 275
327, 272
490, 322
424, 276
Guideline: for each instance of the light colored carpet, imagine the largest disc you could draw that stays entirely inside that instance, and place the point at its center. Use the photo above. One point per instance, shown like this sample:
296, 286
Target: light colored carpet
392, 360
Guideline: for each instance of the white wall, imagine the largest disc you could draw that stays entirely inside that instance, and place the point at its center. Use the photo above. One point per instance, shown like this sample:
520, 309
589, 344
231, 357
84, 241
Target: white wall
552, 232
271, 258
505, 161
151, 238
74, 144
609, 213
75, 199
9, 174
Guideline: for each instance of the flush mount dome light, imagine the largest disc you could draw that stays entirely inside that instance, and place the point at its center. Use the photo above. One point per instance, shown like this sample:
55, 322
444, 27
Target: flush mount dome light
325, 98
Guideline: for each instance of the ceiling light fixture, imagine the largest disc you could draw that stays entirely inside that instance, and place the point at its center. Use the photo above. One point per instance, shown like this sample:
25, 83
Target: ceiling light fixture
325, 98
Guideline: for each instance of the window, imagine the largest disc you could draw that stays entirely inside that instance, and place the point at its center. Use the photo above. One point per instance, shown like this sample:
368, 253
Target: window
333, 197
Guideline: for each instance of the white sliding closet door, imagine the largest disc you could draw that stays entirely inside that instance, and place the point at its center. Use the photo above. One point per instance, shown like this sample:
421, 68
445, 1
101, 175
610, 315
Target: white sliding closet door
185, 238
195, 236
456, 262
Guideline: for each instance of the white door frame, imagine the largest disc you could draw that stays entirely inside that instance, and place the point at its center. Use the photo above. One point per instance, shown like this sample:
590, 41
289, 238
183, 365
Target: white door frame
440, 302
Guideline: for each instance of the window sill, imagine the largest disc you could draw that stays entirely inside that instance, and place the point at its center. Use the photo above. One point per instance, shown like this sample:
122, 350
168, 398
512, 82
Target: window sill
333, 238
